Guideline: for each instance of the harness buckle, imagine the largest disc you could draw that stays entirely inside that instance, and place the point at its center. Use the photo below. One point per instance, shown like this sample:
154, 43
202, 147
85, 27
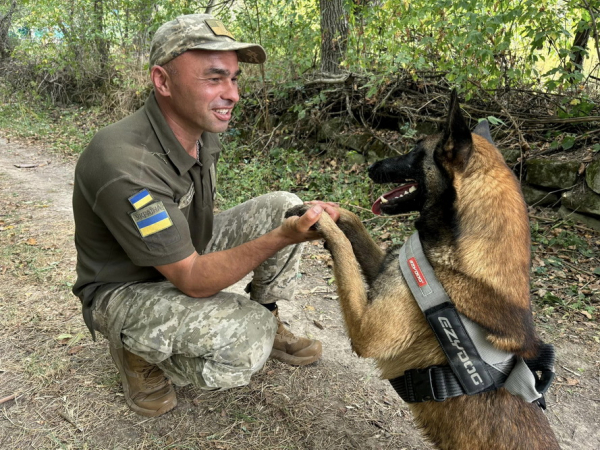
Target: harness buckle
420, 385
543, 381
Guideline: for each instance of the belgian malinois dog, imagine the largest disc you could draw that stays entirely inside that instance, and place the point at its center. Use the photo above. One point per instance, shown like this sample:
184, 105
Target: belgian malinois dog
474, 230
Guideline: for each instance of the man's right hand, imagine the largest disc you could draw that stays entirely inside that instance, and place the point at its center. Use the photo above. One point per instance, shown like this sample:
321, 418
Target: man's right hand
298, 228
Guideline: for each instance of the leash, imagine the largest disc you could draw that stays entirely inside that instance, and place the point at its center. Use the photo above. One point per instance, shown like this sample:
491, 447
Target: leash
475, 365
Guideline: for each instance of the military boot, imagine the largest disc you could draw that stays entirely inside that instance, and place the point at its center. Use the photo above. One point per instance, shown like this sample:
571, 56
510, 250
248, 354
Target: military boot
147, 391
293, 350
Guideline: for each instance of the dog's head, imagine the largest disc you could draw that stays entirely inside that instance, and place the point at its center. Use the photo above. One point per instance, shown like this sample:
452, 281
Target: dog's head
425, 175
473, 213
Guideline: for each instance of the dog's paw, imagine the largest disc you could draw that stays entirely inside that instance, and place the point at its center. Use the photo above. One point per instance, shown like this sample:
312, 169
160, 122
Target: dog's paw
297, 210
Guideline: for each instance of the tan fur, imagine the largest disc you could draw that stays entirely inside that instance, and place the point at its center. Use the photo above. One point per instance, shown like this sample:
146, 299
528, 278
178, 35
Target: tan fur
384, 321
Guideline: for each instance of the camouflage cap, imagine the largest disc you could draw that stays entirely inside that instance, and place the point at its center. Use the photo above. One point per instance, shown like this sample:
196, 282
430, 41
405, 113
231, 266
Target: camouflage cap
199, 32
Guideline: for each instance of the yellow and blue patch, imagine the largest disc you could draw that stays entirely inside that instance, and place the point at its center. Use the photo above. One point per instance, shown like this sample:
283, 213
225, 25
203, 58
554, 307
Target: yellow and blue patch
140, 199
151, 219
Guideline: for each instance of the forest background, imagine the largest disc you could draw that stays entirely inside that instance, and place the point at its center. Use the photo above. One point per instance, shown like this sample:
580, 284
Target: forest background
68, 67
345, 83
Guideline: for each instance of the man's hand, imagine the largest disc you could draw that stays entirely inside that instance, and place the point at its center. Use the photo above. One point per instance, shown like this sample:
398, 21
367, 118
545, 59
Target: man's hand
297, 229
330, 208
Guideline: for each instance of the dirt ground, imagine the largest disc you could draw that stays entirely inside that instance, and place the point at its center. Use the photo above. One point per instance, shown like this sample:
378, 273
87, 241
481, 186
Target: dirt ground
59, 389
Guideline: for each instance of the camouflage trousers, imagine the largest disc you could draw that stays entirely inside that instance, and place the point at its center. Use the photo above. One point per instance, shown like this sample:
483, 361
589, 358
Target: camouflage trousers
216, 342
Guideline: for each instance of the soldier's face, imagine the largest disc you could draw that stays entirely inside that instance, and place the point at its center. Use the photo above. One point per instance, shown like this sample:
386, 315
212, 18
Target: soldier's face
204, 89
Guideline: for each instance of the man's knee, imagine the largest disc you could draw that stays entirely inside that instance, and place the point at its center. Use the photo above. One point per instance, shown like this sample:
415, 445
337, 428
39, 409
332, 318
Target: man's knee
282, 200
233, 365
239, 346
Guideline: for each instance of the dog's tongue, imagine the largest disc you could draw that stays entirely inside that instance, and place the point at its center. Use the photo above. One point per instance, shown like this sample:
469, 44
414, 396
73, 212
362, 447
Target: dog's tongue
376, 208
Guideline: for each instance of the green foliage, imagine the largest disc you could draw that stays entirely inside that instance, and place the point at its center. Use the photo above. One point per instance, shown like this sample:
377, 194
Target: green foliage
498, 44
289, 31
245, 173
82, 51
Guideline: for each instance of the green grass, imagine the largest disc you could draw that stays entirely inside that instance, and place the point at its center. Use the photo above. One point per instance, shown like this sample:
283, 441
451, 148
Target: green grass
67, 129
245, 173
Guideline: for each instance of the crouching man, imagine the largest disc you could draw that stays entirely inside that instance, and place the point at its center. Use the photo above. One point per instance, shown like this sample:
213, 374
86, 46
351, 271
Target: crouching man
153, 260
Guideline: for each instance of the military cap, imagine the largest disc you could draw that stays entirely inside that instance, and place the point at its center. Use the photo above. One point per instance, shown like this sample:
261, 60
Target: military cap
199, 32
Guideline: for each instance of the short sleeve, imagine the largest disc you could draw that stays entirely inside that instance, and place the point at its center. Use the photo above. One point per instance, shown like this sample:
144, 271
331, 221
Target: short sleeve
145, 219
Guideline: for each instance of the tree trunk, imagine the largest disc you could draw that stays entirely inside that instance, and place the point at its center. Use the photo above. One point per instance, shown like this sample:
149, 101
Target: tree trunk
334, 35
5, 23
99, 38
144, 15
578, 51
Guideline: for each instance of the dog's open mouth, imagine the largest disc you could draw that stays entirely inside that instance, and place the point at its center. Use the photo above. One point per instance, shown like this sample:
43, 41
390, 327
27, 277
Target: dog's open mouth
389, 202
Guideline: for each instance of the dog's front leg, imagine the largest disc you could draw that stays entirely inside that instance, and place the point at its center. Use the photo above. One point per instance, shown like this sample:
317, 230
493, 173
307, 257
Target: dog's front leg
367, 252
351, 288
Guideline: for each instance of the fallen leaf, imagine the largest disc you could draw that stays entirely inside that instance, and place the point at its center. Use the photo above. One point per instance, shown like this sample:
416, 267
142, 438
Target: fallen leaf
75, 350
31, 241
64, 339
586, 314
64, 336
572, 382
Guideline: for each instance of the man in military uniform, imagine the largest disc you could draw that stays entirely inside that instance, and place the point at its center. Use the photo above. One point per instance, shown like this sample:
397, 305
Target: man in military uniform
153, 259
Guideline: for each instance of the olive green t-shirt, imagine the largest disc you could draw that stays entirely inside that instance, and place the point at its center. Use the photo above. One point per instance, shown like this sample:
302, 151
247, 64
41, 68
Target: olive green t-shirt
139, 200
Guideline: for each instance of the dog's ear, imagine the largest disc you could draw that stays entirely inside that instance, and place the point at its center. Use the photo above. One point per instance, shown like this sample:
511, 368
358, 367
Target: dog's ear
456, 144
483, 129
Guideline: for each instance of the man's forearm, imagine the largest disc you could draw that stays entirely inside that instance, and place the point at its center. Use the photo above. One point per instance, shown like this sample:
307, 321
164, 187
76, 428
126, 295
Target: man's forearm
205, 275
211, 273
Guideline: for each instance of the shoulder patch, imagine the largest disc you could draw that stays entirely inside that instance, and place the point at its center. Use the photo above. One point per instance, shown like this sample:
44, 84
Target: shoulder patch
151, 219
140, 199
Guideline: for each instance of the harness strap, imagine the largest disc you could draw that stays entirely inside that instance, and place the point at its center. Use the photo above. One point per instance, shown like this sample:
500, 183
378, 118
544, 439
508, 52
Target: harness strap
439, 383
436, 383
542, 368
475, 364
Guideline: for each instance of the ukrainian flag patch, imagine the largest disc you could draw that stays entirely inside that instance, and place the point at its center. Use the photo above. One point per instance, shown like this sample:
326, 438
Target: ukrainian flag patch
151, 219
140, 199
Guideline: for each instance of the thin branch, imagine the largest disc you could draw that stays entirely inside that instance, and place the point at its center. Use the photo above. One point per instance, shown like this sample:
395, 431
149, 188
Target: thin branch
523, 143
8, 399
333, 80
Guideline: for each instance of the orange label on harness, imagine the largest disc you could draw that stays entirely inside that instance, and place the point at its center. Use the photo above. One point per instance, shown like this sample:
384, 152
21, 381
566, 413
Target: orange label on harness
416, 271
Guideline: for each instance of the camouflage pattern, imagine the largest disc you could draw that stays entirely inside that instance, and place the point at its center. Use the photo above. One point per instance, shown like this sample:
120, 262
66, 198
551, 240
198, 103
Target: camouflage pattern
275, 279
216, 342
199, 32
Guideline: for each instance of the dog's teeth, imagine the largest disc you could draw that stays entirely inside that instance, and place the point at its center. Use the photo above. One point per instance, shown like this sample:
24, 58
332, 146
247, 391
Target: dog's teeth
412, 189
383, 200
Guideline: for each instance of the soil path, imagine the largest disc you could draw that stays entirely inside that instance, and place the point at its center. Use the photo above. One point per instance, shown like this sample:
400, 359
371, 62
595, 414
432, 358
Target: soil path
68, 396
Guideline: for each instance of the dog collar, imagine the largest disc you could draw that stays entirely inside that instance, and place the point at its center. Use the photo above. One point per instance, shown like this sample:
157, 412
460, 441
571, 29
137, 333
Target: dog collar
475, 365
